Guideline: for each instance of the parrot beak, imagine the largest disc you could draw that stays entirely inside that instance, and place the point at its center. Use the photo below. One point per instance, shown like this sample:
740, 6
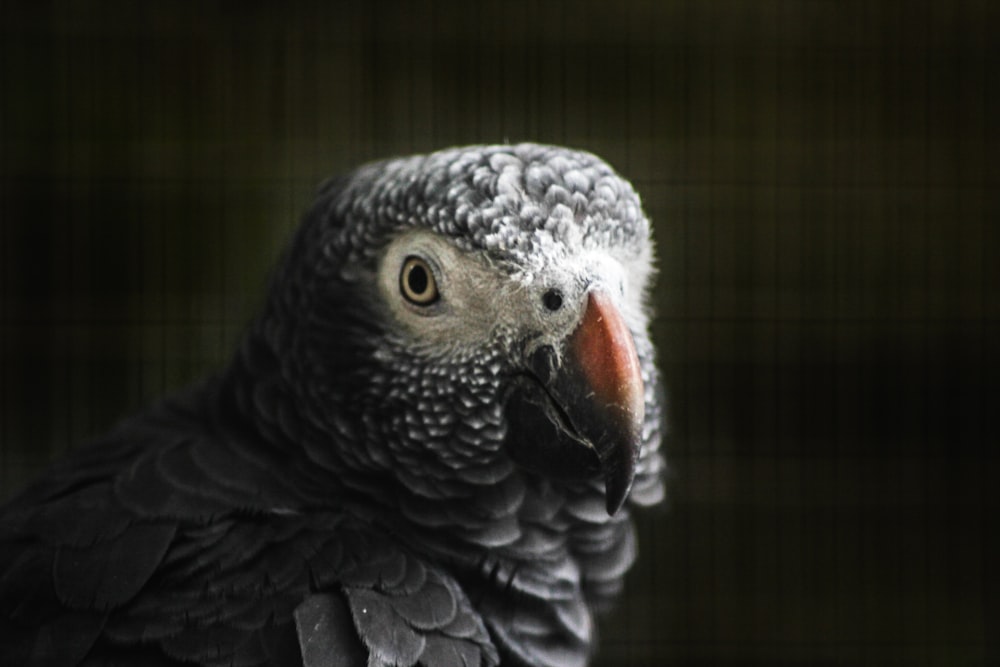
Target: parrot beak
594, 401
603, 370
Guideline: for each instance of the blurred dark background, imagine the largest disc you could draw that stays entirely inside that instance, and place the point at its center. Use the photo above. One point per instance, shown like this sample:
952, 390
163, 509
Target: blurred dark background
823, 180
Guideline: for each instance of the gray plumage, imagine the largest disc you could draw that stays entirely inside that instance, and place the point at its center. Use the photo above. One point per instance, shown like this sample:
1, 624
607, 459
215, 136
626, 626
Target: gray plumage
418, 455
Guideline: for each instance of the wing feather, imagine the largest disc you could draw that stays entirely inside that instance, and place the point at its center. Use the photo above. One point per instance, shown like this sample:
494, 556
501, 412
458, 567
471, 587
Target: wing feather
326, 633
107, 574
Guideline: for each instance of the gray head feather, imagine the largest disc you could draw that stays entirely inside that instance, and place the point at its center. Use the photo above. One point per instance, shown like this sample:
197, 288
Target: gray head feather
515, 202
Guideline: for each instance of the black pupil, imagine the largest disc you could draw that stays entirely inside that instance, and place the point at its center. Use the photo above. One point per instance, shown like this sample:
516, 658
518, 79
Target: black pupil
552, 299
417, 278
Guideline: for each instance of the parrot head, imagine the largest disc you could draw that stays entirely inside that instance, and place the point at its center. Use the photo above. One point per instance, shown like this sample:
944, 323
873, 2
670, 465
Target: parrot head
473, 318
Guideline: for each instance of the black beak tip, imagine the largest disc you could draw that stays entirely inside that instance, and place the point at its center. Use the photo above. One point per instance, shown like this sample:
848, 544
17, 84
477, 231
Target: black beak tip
618, 482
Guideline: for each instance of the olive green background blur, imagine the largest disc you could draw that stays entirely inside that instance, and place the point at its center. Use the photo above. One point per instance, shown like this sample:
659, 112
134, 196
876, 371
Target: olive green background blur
823, 179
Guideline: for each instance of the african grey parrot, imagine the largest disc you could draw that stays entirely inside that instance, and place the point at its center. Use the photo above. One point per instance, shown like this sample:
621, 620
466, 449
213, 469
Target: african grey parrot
419, 455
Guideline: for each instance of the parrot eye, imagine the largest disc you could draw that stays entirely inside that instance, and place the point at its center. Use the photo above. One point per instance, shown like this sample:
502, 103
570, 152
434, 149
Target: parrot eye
416, 282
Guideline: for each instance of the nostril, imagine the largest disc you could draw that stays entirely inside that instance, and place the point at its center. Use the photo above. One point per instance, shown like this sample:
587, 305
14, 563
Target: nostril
552, 299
